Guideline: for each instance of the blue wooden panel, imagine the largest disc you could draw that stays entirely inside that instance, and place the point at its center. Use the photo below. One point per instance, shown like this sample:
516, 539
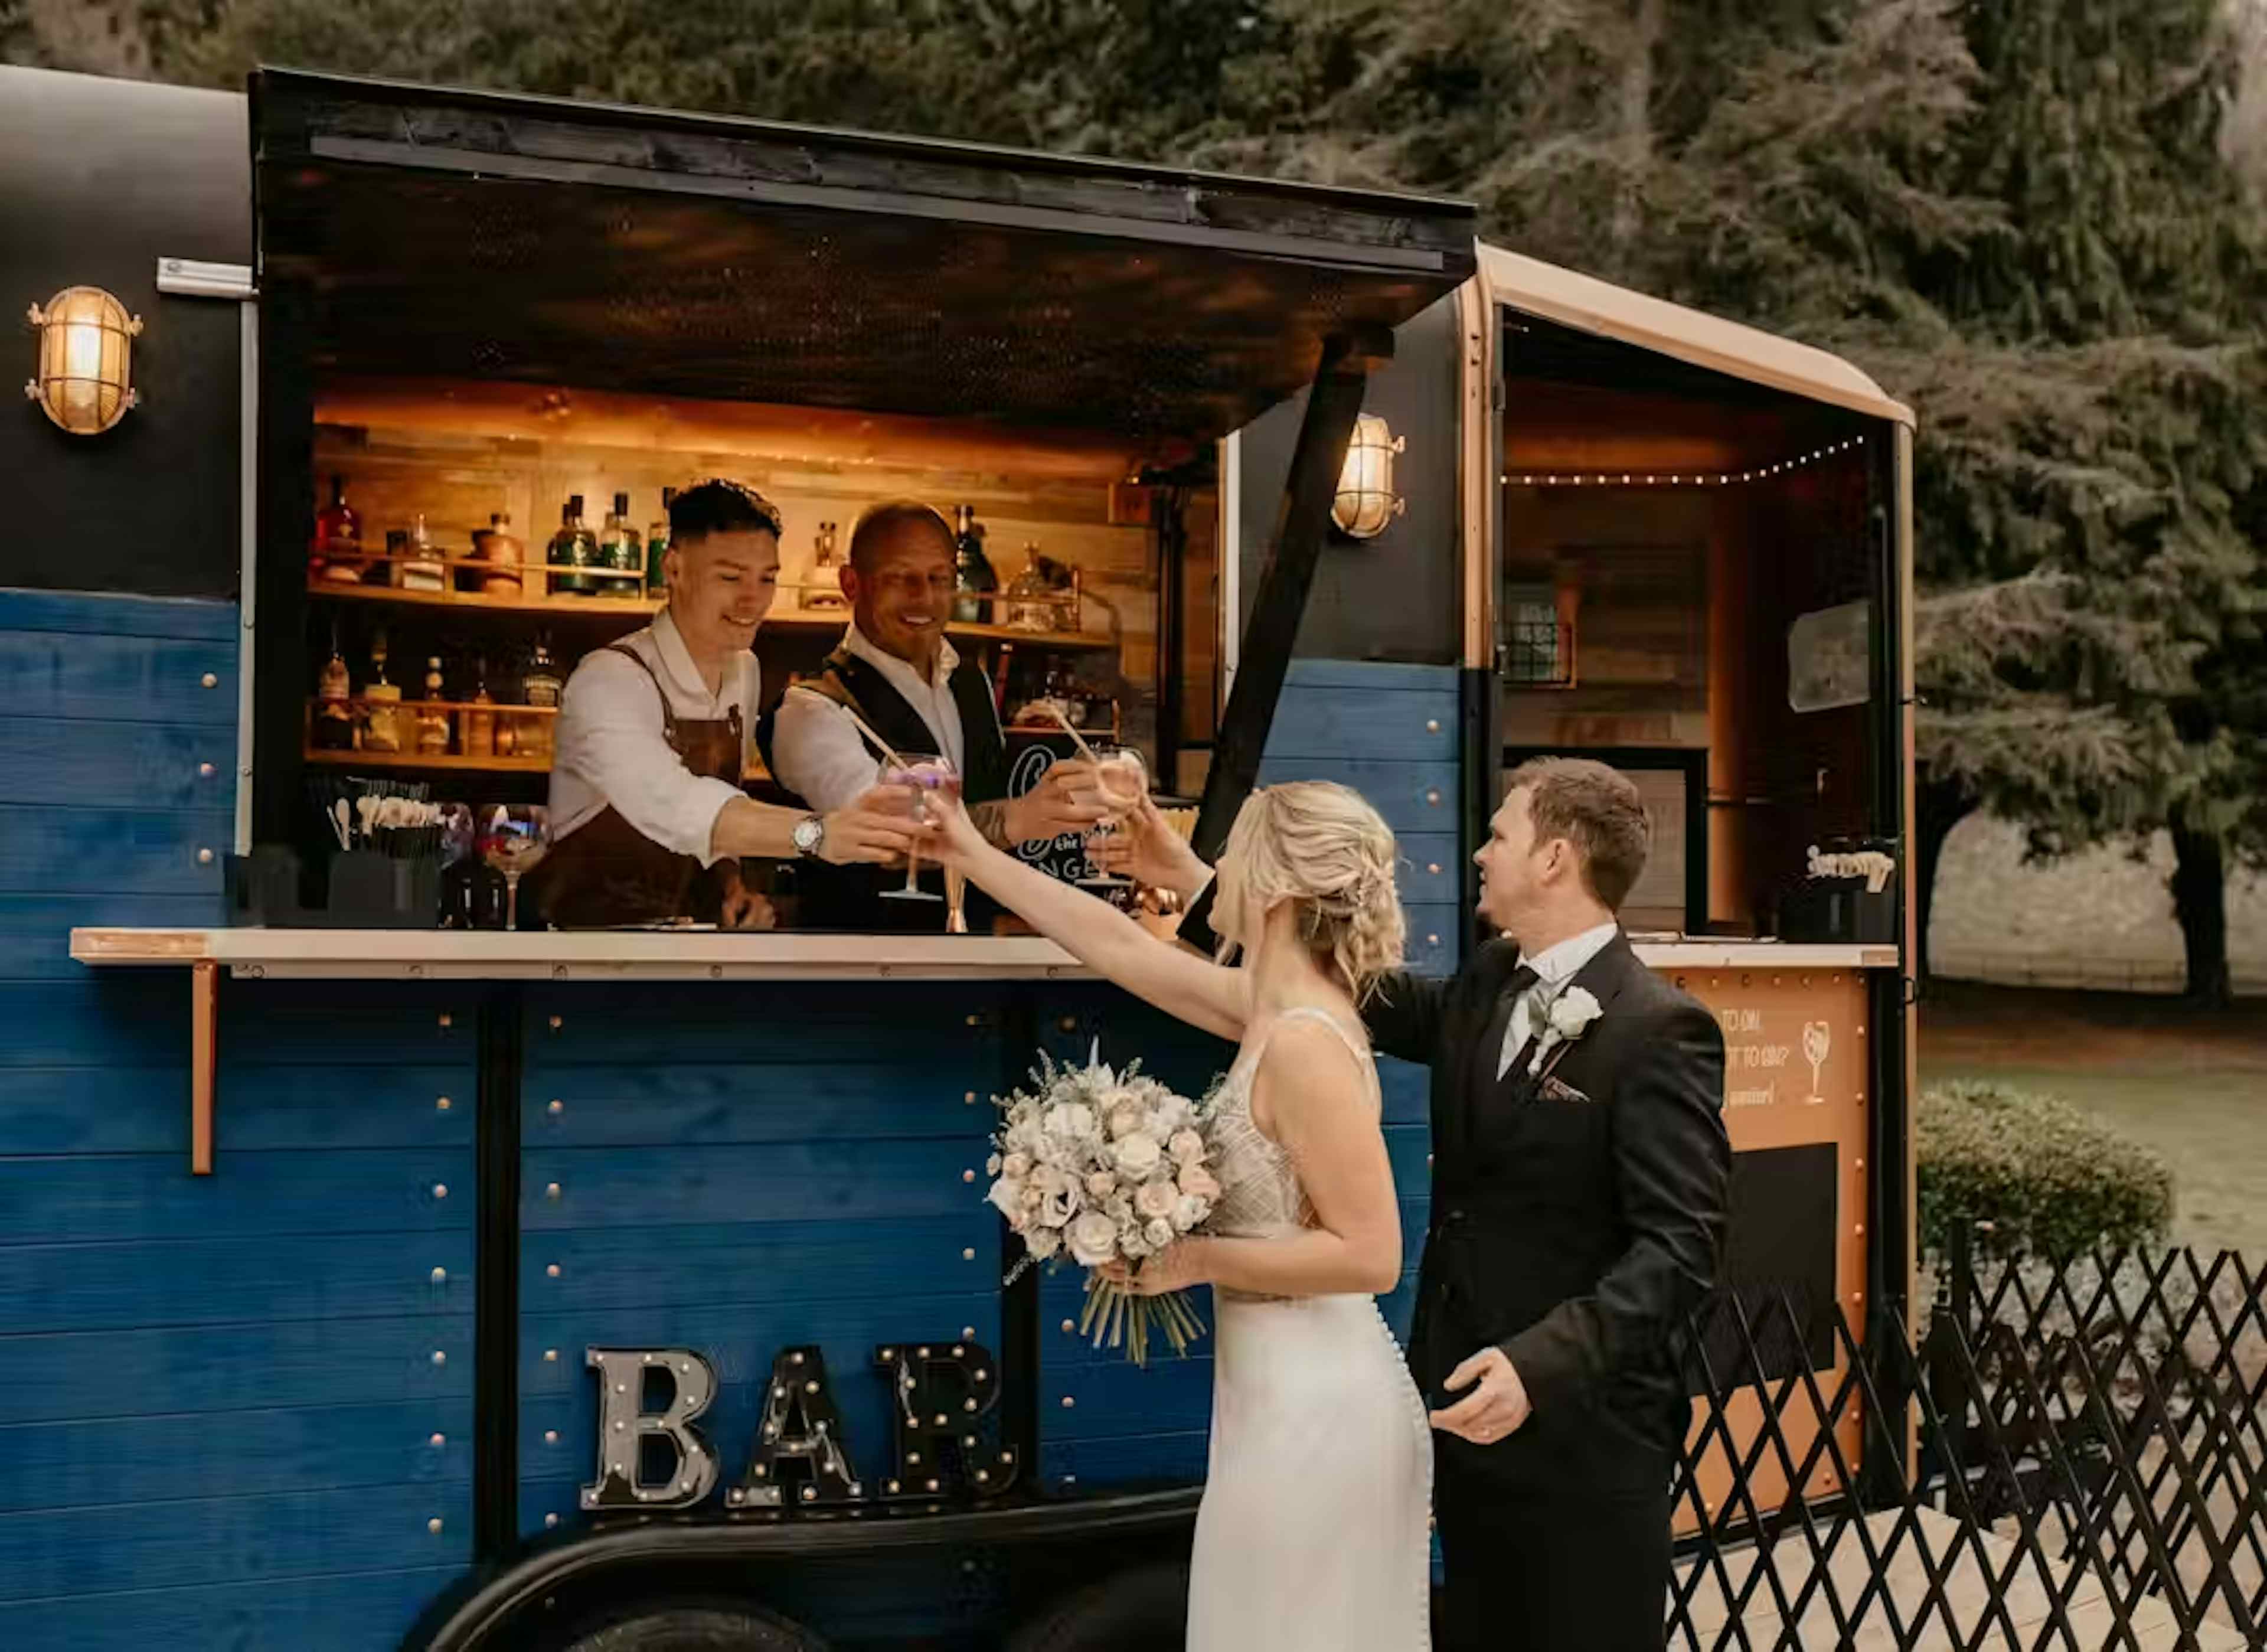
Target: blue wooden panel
35, 930
120, 679
1407, 1089
758, 1021
1432, 946
107, 613
1378, 674
183, 1369
220, 1281
144, 1110
118, 765
232, 1539
1419, 883
97, 851
1407, 1146
1409, 796
243, 1453
1401, 1304
1335, 723
713, 1102
1114, 1398
365, 1612
117, 1016
1089, 1465
54, 1201
859, 1181
787, 1261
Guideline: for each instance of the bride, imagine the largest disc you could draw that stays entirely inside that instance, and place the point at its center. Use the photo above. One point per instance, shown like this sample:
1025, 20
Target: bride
1313, 1531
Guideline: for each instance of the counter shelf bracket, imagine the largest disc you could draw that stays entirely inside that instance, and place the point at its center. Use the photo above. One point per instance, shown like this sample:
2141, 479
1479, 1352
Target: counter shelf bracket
204, 1060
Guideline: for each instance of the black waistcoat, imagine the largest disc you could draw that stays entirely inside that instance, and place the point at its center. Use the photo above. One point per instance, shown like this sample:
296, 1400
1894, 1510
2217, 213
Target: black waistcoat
850, 897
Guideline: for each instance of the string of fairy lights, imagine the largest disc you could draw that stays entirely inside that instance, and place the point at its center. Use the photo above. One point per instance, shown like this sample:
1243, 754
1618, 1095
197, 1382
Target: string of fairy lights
1676, 478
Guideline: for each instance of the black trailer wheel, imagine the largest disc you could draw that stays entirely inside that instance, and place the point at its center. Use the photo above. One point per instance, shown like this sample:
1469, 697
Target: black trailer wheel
1146, 1610
707, 1628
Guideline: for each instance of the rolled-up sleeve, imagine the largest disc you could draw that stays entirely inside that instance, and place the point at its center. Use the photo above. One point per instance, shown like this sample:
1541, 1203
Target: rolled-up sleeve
611, 738
819, 755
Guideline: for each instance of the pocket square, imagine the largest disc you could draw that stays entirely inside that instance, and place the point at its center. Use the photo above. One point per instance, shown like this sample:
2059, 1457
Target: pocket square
1557, 1090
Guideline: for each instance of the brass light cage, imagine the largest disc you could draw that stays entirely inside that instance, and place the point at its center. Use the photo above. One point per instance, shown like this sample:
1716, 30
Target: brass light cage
84, 381
1366, 502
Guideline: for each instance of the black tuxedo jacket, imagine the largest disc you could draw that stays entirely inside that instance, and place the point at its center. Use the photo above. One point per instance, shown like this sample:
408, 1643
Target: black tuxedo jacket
1577, 1215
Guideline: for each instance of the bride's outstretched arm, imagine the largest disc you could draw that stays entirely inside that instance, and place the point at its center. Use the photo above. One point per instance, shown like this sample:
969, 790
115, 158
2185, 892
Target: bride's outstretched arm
1098, 933
1317, 1103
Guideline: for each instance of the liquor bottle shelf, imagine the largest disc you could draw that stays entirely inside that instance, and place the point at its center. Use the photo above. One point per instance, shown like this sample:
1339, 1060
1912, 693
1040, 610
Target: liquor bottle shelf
644, 607
430, 761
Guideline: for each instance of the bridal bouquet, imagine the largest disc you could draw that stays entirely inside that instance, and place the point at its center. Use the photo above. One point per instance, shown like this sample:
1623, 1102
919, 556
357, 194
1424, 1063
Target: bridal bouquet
1105, 1166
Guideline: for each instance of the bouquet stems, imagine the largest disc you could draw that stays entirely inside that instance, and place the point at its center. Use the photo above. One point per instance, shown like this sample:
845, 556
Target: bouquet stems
1117, 1318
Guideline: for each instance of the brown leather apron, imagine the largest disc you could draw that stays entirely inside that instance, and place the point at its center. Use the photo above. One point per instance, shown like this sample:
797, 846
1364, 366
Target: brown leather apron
606, 871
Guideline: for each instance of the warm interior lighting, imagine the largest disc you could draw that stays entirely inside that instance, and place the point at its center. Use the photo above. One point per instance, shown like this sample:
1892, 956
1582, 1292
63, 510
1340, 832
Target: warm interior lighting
85, 372
1366, 501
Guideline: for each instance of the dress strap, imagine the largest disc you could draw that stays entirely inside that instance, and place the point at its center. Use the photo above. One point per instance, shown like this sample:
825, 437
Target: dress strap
1364, 1058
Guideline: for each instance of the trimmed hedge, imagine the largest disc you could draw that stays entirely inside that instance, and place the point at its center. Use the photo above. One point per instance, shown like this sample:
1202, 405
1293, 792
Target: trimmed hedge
2052, 1180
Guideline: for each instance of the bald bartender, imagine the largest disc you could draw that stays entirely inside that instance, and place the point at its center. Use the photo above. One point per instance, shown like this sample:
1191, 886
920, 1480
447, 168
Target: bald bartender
647, 816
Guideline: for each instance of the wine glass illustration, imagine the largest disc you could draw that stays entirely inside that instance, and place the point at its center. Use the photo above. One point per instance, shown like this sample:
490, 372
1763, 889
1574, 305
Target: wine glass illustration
1818, 1039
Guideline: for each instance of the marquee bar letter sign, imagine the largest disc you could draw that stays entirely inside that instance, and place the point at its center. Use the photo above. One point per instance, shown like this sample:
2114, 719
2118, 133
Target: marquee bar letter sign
624, 1425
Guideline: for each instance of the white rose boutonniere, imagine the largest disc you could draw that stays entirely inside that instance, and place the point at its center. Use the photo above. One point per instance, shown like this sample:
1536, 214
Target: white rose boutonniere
1569, 1017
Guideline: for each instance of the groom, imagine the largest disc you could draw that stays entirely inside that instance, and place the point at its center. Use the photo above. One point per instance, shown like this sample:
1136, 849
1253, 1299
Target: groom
1580, 1171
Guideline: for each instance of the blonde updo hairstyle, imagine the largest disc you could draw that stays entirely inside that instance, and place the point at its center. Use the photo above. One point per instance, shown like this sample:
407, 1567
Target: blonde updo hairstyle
1320, 846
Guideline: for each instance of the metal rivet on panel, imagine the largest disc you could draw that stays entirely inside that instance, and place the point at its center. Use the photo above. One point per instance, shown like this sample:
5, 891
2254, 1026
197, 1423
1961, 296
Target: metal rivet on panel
437, 1440
211, 680
968, 1332
204, 771
968, 1253
1432, 797
1433, 867
968, 1097
551, 1436
558, 1022
440, 1276
440, 1190
1432, 725
552, 1270
1068, 1403
968, 1176
551, 1357
1068, 1024
1070, 1327
550, 1520
434, 1525
204, 857
975, 1021
446, 1019
440, 1103
551, 1190
1432, 940
440, 1357
556, 1108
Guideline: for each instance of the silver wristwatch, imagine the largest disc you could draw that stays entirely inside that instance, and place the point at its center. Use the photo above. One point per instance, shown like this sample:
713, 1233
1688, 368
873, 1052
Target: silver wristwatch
808, 834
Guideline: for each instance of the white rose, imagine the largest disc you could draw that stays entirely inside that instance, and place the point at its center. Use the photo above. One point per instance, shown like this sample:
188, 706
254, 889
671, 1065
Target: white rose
994, 1165
1017, 1165
1101, 1185
1159, 1233
1572, 1012
1138, 1155
1155, 1201
1188, 1210
1070, 1120
1186, 1147
1008, 1195
1198, 1182
1126, 1117
1093, 1239
1043, 1242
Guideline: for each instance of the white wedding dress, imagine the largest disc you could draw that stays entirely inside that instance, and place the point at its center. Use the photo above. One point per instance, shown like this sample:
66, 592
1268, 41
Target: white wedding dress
1315, 1534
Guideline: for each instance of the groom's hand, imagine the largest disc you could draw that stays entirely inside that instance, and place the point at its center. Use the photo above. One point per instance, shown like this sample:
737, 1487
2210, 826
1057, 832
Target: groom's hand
1492, 1410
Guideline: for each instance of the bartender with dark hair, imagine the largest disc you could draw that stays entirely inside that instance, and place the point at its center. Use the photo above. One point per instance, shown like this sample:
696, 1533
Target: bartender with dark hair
898, 674
648, 815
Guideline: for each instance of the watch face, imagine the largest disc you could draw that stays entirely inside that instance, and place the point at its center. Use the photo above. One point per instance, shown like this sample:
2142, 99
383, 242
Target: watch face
807, 833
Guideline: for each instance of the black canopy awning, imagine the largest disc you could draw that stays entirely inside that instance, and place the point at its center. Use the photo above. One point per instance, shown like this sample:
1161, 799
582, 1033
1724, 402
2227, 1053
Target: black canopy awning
473, 234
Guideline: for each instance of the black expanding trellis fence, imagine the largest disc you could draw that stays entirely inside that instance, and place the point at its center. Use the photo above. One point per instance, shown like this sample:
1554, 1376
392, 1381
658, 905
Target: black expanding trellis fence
2068, 1455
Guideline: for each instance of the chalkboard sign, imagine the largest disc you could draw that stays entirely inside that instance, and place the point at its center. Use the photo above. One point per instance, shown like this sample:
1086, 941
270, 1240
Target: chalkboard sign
1031, 754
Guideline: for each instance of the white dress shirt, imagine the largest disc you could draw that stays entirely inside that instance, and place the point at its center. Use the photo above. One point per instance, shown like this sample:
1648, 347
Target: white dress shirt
612, 748
817, 751
1554, 967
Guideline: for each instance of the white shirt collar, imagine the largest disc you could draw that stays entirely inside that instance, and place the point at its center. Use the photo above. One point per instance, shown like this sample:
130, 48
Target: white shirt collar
902, 672
1555, 965
677, 660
